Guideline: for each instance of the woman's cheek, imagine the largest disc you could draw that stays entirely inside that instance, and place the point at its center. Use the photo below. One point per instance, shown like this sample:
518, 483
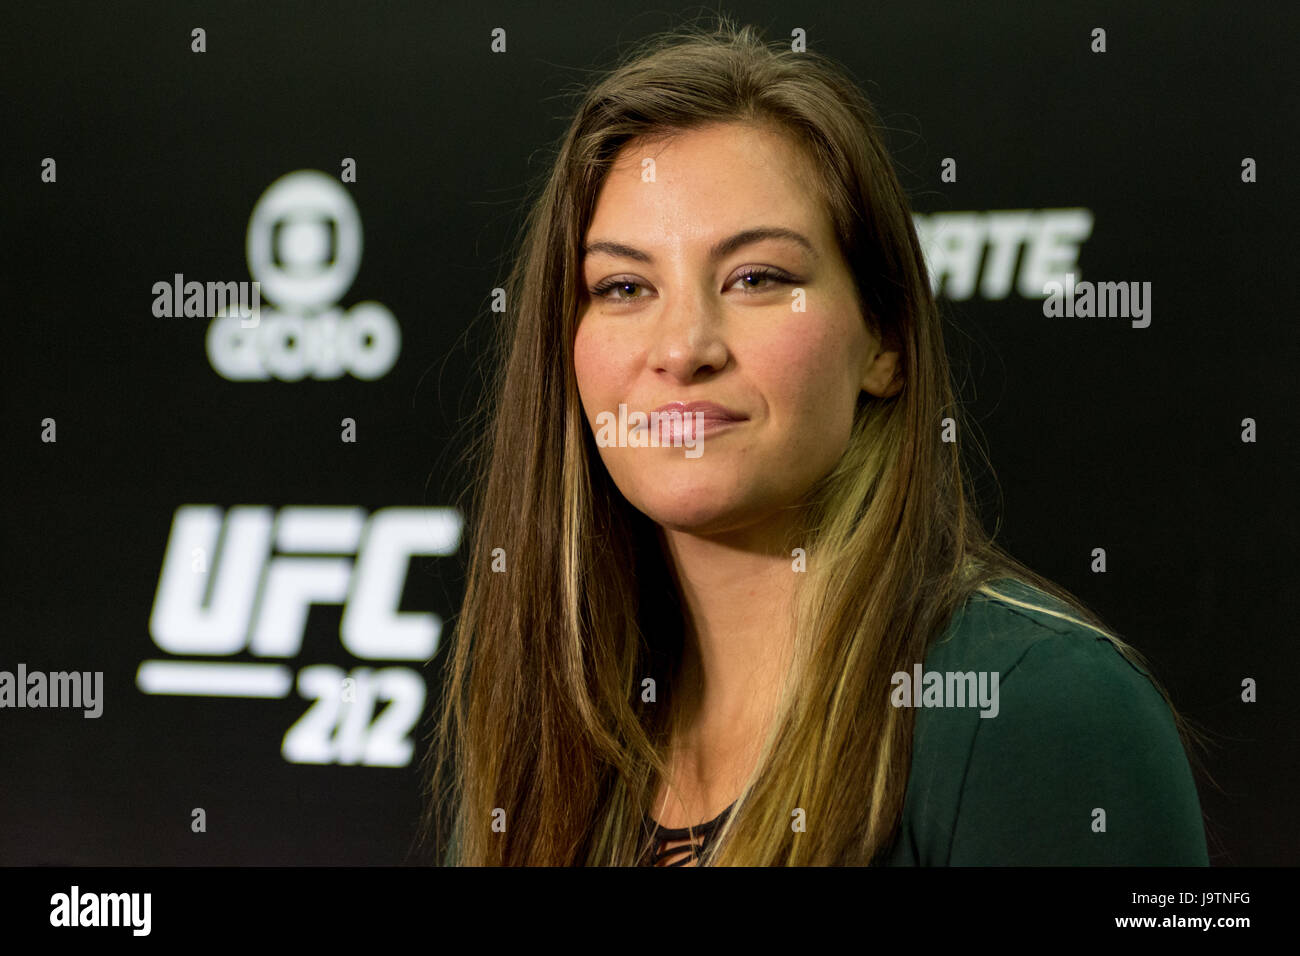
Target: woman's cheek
804, 364
810, 390
589, 370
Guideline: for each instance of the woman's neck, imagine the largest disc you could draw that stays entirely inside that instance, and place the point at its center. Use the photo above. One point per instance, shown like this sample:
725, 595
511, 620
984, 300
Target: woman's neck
737, 598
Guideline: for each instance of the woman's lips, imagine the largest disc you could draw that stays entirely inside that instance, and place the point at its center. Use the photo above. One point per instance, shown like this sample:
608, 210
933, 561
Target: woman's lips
690, 421
710, 410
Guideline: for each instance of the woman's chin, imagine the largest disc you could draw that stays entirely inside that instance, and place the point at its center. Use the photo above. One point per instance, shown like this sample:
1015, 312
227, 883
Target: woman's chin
702, 498
697, 512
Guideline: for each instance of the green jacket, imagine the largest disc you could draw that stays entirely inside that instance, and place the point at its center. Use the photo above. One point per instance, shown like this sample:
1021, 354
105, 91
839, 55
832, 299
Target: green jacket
1078, 729
1079, 740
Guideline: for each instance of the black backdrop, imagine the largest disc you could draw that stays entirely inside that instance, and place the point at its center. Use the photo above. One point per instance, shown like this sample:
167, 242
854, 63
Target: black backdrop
1101, 434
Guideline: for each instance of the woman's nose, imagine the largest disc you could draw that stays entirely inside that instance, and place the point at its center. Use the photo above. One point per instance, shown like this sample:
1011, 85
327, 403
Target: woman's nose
689, 336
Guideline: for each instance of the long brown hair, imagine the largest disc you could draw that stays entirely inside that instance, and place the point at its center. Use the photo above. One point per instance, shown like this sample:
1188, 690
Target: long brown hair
542, 727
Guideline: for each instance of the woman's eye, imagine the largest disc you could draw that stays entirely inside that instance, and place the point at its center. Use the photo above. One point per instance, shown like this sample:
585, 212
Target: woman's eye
621, 285
760, 279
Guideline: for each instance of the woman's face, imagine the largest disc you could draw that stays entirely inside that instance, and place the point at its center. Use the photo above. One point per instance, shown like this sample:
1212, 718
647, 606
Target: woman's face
688, 300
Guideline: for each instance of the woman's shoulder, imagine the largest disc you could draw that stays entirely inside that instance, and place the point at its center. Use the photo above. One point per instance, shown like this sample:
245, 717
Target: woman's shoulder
1058, 675
1003, 620
1010, 626
1019, 645
1069, 754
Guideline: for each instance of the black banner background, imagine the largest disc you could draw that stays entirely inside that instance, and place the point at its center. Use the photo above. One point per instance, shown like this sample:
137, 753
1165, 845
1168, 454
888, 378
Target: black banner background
1100, 434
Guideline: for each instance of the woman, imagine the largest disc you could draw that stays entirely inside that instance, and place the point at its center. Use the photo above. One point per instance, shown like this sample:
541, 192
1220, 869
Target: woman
732, 638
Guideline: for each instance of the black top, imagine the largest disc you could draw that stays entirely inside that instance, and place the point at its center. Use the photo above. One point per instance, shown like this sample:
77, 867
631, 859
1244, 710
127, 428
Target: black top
702, 833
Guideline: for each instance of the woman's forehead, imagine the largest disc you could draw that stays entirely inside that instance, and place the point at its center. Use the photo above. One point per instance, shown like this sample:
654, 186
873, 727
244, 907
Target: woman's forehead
703, 185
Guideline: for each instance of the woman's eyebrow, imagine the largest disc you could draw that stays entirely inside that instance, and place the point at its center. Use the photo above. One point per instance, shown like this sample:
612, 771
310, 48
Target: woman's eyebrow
721, 248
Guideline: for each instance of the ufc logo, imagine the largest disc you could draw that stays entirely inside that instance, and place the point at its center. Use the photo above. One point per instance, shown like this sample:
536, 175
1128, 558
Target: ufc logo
245, 580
